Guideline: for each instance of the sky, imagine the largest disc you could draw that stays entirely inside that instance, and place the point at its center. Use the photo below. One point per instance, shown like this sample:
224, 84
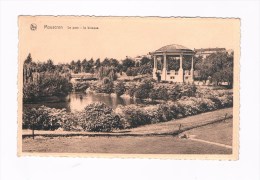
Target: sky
118, 37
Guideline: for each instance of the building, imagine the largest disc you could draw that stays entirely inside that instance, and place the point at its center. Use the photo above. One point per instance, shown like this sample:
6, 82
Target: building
169, 53
204, 52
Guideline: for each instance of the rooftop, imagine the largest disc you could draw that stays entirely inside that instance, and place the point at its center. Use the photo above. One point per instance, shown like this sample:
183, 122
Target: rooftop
173, 48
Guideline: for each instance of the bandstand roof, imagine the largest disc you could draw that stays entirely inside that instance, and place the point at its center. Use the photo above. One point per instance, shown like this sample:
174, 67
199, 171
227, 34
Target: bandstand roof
173, 48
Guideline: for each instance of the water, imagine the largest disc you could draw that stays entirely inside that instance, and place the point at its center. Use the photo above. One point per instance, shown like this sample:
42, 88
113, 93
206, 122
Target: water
78, 101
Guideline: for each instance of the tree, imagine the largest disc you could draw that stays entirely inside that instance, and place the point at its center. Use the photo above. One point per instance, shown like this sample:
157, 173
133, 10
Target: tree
145, 60
120, 88
84, 65
72, 65
106, 62
78, 66
97, 63
219, 66
127, 63
50, 66
28, 59
113, 62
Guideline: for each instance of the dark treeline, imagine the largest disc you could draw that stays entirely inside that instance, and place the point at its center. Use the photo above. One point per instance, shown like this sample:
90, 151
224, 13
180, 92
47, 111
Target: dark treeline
91, 66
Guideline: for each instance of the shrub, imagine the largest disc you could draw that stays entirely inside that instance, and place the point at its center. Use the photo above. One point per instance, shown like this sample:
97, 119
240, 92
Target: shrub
99, 117
136, 116
72, 122
120, 88
162, 93
106, 86
131, 90
43, 118
142, 92
188, 90
170, 110
159, 94
153, 94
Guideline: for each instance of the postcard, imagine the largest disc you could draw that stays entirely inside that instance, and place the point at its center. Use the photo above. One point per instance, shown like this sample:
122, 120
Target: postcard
143, 87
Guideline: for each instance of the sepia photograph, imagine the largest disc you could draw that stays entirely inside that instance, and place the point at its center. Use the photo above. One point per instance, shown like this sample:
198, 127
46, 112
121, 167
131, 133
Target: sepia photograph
149, 87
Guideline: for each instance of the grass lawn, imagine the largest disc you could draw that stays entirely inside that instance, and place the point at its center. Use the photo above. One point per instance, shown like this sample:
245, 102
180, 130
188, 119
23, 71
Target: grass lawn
220, 132
121, 145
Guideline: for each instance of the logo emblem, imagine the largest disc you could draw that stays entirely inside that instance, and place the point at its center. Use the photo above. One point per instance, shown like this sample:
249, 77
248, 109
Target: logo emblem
33, 27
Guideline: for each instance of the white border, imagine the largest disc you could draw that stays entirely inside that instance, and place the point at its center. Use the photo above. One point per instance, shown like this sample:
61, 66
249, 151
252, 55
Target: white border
247, 167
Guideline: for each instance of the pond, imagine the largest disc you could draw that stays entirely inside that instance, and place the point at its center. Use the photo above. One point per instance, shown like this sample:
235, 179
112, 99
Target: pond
77, 101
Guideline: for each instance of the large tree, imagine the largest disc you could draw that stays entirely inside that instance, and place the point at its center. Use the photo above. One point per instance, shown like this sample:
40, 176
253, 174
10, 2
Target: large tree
127, 63
218, 66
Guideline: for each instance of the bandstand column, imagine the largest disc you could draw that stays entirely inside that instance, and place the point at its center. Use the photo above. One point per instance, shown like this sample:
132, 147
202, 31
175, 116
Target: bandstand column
192, 69
164, 71
181, 69
154, 67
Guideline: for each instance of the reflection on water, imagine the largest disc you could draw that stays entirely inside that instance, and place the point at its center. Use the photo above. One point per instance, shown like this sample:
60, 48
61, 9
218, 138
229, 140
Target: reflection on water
77, 101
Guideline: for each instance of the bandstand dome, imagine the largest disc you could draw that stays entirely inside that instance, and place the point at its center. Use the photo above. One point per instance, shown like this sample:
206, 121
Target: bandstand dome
173, 48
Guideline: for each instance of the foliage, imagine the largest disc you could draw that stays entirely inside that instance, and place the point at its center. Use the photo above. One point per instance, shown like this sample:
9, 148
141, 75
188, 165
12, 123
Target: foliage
96, 117
80, 86
99, 117
131, 90
219, 66
145, 61
120, 88
107, 72
145, 69
132, 71
48, 84
43, 118
143, 90
159, 94
104, 86
135, 116
127, 63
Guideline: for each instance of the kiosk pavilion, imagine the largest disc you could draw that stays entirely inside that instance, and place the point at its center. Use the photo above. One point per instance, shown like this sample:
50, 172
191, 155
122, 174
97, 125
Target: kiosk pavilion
168, 64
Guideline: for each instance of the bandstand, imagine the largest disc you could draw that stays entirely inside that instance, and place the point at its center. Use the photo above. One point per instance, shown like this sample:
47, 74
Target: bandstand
177, 53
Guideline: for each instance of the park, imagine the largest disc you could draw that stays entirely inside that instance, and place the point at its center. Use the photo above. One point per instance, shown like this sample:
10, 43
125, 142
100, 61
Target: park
171, 101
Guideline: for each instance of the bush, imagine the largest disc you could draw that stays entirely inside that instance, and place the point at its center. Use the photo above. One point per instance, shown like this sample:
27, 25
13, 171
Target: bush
129, 72
142, 92
188, 90
131, 90
73, 121
133, 71
153, 94
175, 92
106, 86
162, 93
99, 117
43, 118
120, 88
135, 116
